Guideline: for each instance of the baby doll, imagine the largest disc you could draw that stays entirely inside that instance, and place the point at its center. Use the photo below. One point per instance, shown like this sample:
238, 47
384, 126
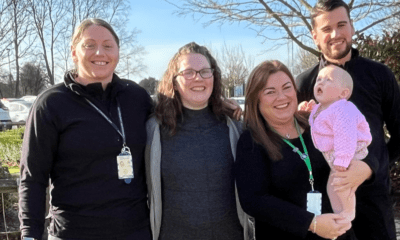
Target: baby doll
339, 130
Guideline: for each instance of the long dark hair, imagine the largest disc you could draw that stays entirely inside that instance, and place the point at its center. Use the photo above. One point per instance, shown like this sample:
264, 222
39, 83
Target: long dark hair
169, 106
254, 121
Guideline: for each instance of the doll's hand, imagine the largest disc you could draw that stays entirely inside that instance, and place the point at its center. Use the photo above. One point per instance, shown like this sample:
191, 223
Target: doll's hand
339, 168
237, 110
306, 106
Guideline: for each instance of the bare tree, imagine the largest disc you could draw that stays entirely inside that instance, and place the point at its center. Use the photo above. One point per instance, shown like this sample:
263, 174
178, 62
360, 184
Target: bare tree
150, 84
235, 66
115, 12
131, 55
7, 85
392, 24
33, 79
289, 19
5, 47
304, 61
43, 29
47, 16
77, 11
22, 34
5, 29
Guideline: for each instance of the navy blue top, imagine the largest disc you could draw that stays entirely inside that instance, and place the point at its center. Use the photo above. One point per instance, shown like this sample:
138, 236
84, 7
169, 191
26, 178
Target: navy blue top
198, 189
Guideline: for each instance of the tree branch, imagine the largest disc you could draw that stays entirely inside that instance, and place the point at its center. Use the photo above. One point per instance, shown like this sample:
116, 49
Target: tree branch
377, 22
350, 4
290, 34
308, 6
298, 13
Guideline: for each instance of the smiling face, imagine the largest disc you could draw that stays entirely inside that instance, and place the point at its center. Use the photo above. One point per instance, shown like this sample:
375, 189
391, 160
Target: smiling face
278, 99
332, 34
196, 92
96, 56
330, 86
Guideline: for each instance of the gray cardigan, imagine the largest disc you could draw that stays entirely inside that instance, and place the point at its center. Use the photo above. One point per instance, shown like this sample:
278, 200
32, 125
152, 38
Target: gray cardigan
153, 177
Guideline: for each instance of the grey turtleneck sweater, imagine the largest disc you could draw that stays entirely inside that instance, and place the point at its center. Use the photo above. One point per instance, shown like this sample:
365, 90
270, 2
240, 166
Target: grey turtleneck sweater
197, 180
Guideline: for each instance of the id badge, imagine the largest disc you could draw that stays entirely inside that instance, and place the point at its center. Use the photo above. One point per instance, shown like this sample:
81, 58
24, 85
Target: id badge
314, 200
125, 166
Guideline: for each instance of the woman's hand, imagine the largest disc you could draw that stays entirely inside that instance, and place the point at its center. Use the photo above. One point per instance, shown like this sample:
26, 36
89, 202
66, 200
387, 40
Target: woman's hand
306, 106
327, 227
356, 174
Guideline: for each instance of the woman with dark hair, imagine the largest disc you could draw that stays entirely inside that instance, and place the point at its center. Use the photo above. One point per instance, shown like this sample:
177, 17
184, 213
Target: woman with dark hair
88, 135
278, 170
190, 152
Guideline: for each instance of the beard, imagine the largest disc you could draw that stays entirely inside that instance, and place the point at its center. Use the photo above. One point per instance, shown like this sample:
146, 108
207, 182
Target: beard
337, 55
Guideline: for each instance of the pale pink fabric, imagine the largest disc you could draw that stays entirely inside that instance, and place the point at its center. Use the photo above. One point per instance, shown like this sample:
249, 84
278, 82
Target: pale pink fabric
339, 128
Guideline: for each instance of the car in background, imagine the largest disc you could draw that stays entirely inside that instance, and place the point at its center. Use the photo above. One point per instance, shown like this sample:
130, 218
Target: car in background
19, 110
29, 98
7, 101
240, 101
5, 119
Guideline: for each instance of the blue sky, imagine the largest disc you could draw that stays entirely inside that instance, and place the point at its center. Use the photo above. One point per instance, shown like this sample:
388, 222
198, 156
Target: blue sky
163, 33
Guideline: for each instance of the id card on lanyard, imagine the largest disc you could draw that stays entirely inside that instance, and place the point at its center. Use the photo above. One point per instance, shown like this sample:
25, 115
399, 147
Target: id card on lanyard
314, 198
124, 159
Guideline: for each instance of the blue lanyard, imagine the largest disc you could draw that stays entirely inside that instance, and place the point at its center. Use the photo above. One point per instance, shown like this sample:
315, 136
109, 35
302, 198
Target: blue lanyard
122, 132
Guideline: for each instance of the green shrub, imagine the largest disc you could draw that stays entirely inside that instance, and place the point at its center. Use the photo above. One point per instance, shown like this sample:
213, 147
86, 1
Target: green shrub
10, 154
12, 136
384, 48
10, 147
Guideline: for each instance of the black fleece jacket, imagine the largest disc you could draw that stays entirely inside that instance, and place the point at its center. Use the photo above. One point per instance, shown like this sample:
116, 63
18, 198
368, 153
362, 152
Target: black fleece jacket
67, 140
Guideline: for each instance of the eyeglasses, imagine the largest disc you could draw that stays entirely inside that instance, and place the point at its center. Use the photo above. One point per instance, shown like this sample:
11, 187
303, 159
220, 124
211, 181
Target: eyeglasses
190, 74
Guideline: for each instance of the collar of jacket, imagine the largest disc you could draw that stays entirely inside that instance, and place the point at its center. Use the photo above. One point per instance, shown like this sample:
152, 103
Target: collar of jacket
77, 88
323, 62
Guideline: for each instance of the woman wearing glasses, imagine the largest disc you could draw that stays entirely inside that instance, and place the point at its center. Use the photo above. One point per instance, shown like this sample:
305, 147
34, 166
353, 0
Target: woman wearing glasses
190, 153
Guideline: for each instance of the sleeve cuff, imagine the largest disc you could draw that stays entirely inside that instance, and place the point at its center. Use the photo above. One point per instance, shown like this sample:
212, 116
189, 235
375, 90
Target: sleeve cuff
373, 167
342, 162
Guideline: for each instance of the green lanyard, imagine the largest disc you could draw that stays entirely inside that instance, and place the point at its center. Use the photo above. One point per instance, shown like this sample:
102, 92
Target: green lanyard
304, 156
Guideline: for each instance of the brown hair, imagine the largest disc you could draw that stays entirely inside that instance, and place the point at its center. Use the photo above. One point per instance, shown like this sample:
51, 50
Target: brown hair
169, 106
327, 6
254, 121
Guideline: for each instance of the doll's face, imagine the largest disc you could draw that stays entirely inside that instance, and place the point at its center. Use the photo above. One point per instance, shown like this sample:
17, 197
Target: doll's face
329, 86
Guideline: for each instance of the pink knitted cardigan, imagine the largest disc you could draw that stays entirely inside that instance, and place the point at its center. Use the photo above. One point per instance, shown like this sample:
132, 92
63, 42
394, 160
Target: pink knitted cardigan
339, 128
